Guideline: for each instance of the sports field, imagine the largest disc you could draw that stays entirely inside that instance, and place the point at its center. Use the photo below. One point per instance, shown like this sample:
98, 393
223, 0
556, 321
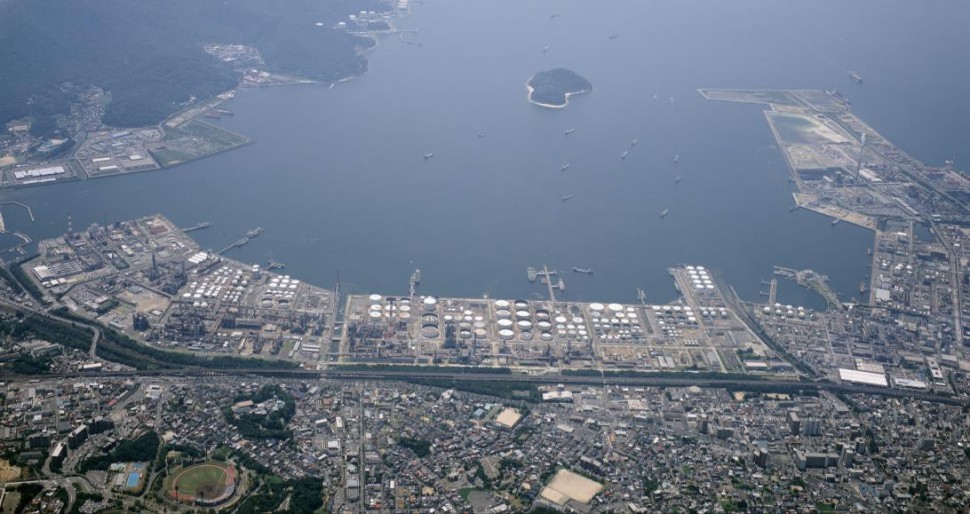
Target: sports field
567, 485
204, 481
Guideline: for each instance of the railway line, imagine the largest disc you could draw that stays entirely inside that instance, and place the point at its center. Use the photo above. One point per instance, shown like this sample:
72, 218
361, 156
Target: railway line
544, 379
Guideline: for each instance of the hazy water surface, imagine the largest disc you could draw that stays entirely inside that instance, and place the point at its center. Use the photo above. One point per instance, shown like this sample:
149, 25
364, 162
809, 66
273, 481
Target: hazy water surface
338, 181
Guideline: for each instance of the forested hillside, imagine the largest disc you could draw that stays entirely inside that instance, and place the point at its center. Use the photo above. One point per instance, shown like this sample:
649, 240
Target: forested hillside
148, 53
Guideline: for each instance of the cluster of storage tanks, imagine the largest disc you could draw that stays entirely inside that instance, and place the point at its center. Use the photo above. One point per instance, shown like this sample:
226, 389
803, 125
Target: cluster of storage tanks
280, 290
517, 320
785, 311
701, 279
520, 320
225, 284
388, 309
470, 324
674, 315
615, 323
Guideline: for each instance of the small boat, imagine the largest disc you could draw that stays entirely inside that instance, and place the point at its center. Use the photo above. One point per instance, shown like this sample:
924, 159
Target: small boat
567, 198
676, 158
624, 154
568, 131
655, 96
564, 167
587, 271
481, 135
836, 221
428, 155
677, 180
546, 49
331, 85
793, 208
664, 212
614, 36
553, 16
634, 142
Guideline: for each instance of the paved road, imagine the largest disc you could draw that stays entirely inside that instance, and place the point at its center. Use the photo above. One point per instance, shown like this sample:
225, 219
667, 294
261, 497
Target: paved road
605, 379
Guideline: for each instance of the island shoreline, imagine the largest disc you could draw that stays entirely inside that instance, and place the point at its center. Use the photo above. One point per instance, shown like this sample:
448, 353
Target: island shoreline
552, 106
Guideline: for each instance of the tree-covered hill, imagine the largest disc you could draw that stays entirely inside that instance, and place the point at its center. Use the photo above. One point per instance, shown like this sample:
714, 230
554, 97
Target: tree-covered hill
552, 87
148, 53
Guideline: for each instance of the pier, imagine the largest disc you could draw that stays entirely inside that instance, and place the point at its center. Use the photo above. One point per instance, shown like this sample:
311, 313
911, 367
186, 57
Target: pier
413, 284
243, 241
642, 297
199, 226
237, 244
545, 276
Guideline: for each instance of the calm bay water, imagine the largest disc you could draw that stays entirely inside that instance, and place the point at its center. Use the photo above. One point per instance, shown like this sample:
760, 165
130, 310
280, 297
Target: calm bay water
338, 181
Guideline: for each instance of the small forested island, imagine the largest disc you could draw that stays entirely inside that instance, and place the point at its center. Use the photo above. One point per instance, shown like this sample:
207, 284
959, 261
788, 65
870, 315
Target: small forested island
553, 88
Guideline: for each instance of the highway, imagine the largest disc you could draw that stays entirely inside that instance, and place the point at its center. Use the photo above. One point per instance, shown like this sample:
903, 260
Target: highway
543, 379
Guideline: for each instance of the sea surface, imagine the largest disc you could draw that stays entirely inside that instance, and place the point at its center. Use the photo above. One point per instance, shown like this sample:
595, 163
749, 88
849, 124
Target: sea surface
338, 180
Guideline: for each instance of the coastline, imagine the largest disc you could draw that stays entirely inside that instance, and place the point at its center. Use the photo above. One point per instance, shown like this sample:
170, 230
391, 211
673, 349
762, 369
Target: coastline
195, 112
531, 89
